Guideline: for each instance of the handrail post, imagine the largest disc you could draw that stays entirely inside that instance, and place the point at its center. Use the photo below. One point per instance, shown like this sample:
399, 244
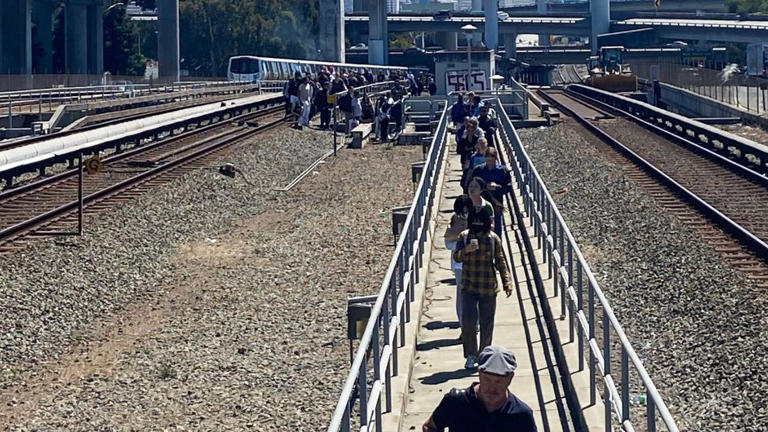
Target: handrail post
362, 390
624, 384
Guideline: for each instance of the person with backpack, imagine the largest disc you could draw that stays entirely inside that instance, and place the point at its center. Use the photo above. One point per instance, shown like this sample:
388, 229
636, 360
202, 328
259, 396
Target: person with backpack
481, 254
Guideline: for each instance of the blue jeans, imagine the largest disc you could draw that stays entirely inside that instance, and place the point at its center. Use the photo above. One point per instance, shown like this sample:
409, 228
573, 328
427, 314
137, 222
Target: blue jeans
457, 273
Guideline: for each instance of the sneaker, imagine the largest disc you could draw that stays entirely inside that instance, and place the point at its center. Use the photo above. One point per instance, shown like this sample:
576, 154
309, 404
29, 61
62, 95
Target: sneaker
470, 364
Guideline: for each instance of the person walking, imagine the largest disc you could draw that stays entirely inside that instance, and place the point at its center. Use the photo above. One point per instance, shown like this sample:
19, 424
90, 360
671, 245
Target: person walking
465, 145
323, 107
459, 111
499, 184
488, 125
457, 225
481, 254
305, 98
486, 405
383, 106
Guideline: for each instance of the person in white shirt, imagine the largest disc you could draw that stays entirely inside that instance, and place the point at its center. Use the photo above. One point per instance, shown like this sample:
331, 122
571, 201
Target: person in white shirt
305, 98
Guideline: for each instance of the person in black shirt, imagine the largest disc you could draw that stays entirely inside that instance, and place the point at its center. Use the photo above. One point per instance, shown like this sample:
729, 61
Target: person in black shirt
322, 106
487, 406
488, 125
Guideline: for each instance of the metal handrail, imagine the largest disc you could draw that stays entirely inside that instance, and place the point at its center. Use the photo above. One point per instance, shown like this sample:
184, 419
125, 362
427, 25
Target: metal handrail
550, 228
392, 308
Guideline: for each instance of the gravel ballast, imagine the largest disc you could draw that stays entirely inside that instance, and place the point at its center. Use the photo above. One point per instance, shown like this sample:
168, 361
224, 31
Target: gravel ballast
206, 304
698, 324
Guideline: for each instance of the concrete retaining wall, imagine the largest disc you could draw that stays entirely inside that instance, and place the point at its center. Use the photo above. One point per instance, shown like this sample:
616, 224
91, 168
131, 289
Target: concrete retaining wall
694, 105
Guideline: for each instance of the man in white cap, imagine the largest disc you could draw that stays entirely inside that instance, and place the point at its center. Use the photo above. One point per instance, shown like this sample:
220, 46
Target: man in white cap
487, 406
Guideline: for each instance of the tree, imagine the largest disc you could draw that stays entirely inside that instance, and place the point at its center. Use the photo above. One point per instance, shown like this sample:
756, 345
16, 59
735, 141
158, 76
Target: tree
121, 55
746, 6
214, 30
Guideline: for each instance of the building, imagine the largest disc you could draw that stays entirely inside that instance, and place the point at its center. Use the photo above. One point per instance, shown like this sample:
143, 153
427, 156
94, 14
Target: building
427, 8
393, 6
464, 5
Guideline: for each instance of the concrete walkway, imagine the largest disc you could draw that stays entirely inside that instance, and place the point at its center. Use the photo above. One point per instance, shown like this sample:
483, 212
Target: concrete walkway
438, 364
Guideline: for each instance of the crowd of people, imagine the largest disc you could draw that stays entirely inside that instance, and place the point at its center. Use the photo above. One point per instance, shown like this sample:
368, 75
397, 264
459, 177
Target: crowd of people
307, 96
474, 235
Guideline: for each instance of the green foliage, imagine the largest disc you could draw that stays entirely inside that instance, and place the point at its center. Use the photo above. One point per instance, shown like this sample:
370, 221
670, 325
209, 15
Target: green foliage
402, 40
746, 6
121, 44
214, 30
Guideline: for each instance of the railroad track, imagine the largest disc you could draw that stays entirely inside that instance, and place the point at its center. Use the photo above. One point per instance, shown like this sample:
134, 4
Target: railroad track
112, 118
49, 206
725, 204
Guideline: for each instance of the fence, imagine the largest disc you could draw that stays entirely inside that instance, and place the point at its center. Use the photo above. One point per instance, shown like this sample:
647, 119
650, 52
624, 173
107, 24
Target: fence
572, 276
392, 308
748, 92
35, 101
514, 98
27, 82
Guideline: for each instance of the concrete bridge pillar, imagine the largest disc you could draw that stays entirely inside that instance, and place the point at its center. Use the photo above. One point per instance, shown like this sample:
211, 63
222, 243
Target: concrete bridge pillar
541, 9
42, 15
76, 36
491, 8
15, 37
510, 45
378, 36
332, 30
600, 10
448, 40
168, 56
96, 38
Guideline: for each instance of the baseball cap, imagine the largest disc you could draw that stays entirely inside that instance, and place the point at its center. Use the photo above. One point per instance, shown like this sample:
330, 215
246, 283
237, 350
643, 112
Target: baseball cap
496, 360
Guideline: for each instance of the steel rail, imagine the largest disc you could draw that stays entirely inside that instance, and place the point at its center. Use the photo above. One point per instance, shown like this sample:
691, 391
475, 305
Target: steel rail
728, 143
550, 227
28, 187
751, 241
105, 123
685, 142
51, 215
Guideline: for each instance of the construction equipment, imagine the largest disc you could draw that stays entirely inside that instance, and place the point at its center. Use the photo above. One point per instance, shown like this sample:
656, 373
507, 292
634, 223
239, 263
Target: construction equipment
608, 71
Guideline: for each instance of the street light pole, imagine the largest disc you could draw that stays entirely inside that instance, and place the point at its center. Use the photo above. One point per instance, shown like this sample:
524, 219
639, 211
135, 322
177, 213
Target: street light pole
468, 29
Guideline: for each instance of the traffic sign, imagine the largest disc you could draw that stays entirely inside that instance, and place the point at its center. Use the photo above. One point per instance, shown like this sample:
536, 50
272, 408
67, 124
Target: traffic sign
94, 165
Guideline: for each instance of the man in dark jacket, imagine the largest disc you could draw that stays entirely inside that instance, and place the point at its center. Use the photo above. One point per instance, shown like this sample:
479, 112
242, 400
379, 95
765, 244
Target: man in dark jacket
459, 111
488, 125
322, 106
487, 405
